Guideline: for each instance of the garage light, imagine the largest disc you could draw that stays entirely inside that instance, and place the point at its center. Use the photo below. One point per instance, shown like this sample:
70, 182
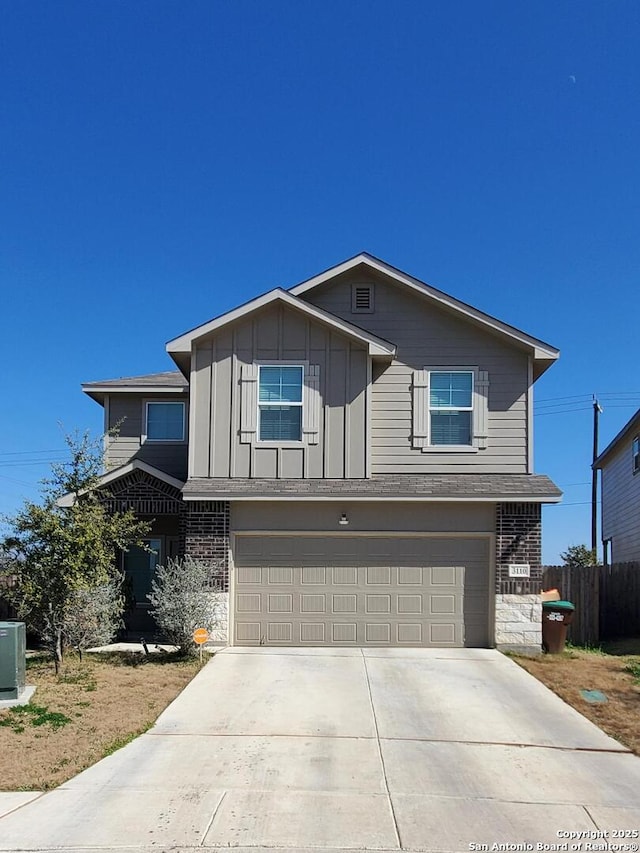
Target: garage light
343, 519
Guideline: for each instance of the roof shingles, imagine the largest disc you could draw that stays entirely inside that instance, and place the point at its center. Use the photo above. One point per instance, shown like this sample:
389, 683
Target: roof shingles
169, 377
516, 487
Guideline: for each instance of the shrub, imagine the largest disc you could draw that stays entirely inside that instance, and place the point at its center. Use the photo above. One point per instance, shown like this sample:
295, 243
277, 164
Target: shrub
93, 616
183, 598
579, 557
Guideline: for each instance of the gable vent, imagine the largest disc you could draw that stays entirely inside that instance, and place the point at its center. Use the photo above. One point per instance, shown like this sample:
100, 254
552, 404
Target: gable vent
362, 299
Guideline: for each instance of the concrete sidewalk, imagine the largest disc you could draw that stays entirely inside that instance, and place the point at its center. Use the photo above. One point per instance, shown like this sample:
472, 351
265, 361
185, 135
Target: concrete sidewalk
345, 749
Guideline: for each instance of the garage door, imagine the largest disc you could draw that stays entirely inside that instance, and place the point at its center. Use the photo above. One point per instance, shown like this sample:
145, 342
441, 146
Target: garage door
361, 591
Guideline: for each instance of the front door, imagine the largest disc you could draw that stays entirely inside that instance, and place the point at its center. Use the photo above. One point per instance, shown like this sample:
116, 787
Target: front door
140, 569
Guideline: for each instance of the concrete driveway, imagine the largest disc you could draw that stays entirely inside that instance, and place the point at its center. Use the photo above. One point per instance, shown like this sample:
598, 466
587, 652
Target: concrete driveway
347, 749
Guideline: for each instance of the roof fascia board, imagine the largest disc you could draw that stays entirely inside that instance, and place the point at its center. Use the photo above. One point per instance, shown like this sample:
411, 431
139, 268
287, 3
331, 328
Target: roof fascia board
133, 389
540, 349
116, 473
100, 392
376, 346
201, 496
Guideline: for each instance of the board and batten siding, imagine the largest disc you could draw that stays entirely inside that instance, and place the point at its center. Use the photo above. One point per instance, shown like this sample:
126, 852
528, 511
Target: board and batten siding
125, 411
277, 334
428, 336
621, 504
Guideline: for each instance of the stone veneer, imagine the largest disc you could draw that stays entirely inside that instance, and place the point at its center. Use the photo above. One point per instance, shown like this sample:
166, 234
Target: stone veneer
518, 609
519, 623
220, 613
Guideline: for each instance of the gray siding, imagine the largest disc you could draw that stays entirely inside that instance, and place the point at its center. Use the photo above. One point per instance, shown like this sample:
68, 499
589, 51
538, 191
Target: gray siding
127, 410
427, 336
277, 334
363, 516
621, 505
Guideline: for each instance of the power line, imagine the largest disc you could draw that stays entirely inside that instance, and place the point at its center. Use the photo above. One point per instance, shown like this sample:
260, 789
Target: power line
551, 406
578, 396
581, 408
25, 462
31, 452
628, 405
573, 397
13, 480
563, 412
576, 399
568, 405
610, 401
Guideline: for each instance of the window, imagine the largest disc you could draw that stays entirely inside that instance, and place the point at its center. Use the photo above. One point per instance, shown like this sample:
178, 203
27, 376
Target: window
450, 407
165, 422
635, 453
280, 402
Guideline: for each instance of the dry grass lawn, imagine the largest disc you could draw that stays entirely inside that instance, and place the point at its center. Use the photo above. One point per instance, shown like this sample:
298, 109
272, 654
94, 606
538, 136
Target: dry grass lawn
615, 671
91, 709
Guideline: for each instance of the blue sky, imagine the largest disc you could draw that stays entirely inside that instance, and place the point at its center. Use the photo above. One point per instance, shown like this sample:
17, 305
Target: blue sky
163, 161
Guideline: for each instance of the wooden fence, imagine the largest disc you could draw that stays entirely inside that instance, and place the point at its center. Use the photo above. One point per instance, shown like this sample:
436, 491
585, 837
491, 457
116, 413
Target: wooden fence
607, 600
620, 600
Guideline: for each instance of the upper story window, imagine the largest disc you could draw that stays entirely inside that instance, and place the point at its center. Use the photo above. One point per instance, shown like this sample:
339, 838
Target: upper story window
280, 402
635, 454
165, 421
450, 407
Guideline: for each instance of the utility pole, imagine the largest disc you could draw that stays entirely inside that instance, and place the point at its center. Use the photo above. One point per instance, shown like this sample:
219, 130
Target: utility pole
594, 479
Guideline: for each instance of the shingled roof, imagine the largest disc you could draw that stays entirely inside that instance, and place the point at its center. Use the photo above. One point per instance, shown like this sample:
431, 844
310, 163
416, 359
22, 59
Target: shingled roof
535, 488
170, 381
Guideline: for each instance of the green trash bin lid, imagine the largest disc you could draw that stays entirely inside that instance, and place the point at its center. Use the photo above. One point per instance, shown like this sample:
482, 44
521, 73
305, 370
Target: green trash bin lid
557, 605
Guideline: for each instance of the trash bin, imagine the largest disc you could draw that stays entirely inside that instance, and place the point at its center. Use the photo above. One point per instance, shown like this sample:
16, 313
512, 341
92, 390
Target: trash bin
556, 618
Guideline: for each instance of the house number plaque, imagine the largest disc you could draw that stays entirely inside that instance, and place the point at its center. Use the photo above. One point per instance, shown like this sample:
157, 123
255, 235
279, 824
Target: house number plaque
519, 570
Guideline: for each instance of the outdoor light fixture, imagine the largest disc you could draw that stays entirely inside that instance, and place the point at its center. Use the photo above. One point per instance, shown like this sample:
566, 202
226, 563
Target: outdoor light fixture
343, 519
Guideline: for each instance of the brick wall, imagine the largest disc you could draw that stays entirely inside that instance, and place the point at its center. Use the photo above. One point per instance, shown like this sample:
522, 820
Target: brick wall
203, 525
204, 535
518, 540
144, 494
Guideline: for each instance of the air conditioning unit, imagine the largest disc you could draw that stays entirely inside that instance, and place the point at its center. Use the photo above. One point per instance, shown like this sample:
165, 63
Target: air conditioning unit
13, 648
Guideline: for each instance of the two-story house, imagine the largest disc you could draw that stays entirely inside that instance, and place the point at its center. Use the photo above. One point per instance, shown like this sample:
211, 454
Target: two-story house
355, 455
620, 489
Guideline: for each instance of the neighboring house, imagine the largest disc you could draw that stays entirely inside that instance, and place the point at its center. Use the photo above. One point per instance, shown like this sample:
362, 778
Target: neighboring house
354, 454
620, 466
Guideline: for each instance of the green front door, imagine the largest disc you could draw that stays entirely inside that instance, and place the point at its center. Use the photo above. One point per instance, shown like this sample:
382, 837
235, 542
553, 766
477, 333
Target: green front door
140, 567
